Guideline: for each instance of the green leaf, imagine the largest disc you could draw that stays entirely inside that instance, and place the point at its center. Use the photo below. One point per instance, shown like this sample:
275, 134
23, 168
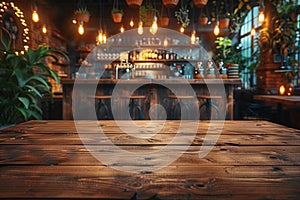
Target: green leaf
34, 90
24, 101
5, 39
23, 112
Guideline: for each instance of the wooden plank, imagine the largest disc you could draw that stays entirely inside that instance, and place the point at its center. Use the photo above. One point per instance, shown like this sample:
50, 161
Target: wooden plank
226, 138
169, 183
79, 155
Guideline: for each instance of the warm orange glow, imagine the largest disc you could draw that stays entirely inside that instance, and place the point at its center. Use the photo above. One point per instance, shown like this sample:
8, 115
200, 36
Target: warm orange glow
290, 90
261, 17
122, 29
44, 29
80, 29
131, 23
140, 28
35, 16
281, 90
154, 27
193, 37
253, 31
217, 29
181, 30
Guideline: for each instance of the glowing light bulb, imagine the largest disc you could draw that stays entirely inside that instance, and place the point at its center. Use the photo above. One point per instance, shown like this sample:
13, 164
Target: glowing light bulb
122, 29
99, 37
261, 17
80, 29
281, 90
131, 23
44, 29
104, 38
35, 16
193, 37
217, 29
154, 27
74, 21
140, 28
252, 31
166, 42
181, 29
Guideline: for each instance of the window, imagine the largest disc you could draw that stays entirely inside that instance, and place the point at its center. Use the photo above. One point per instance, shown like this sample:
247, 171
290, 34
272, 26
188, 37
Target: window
249, 45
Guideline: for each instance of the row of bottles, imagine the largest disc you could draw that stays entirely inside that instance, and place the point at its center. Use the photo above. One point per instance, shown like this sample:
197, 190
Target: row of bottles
159, 54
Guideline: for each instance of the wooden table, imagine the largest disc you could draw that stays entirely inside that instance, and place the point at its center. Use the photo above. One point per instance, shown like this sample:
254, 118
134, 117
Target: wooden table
251, 160
286, 100
292, 102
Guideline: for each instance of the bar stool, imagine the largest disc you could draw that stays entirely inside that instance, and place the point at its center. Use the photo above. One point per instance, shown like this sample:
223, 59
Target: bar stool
135, 109
102, 110
182, 102
209, 104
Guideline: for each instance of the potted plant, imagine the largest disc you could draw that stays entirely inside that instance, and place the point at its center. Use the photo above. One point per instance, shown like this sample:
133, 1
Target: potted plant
224, 21
164, 18
134, 2
281, 36
147, 14
203, 19
117, 15
200, 3
82, 14
164, 21
182, 16
170, 3
21, 86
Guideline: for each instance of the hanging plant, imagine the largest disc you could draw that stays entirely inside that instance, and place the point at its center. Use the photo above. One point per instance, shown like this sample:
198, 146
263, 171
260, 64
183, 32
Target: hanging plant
147, 14
203, 19
200, 3
117, 13
134, 2
164, 17
170, 3
183, 16
82, 14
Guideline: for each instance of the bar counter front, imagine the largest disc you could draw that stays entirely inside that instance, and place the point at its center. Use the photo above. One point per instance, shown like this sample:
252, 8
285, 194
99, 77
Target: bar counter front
153, 91
50, 160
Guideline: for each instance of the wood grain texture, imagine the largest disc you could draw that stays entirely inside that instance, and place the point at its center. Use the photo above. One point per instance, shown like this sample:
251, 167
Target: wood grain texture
251, 160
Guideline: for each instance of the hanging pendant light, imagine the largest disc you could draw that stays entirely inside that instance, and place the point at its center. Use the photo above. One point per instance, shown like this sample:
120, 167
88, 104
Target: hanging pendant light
193, 37
35, 16
181, 29
81, 28
99, 37
217, 29
261, 16
140, 28
122, 29
154, 27
131, 23
44, 29
253, 32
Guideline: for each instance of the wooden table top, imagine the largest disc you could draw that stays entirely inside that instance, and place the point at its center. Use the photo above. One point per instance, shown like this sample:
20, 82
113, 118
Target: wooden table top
287, 100
251, 160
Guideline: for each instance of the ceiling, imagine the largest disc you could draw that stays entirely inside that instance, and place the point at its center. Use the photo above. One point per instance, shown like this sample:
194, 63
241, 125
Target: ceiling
61, 12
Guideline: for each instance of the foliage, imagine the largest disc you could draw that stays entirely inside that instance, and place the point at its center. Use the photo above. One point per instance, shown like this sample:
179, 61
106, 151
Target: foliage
144, 11
281, 36
223, 48
21, 87
183, 16
116, 10
82, 10
229, 53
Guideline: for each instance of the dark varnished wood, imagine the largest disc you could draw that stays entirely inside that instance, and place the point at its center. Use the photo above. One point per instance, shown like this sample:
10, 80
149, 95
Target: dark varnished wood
251, 160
